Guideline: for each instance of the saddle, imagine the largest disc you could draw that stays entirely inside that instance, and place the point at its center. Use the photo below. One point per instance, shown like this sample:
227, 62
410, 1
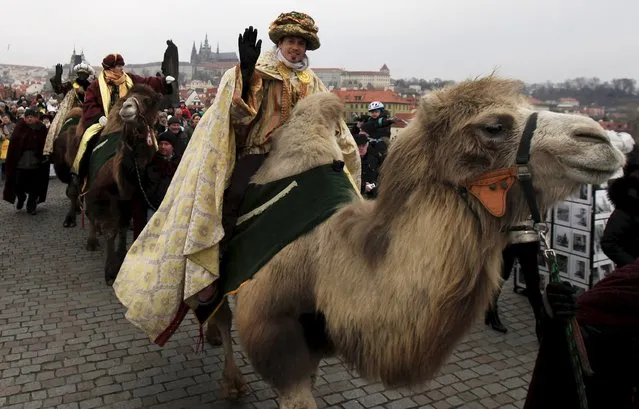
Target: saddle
303, 201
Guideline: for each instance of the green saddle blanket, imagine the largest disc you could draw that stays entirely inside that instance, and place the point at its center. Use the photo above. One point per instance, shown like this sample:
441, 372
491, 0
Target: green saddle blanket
69, 122
105, 149
274, 215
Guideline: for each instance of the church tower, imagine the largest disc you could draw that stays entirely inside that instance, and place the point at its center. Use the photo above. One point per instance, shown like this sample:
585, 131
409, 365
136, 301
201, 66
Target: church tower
193, 54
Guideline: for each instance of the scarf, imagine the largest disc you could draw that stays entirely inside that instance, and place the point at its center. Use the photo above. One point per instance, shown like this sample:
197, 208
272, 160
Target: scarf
295, 66
111, 78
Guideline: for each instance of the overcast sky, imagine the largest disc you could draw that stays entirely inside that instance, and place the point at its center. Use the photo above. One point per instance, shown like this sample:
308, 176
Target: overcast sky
532, 40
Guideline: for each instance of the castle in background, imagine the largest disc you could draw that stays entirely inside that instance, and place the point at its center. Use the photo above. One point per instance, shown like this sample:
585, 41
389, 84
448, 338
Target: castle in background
208, 64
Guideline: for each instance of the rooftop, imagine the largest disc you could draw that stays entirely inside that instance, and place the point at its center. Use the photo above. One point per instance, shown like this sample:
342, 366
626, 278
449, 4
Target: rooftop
357, 95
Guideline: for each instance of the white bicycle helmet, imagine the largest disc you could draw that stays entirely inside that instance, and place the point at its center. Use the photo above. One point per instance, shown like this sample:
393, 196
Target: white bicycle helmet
375, 105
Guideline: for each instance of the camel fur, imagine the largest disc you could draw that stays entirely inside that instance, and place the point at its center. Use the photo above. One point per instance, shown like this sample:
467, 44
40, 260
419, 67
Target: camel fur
109, 195
65, 147
392, 285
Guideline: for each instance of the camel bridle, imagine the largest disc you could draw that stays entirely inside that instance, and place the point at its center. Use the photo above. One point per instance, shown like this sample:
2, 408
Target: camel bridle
521, 171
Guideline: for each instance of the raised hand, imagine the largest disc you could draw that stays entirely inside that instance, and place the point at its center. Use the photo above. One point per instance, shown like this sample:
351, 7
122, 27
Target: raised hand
58, 70
249, 49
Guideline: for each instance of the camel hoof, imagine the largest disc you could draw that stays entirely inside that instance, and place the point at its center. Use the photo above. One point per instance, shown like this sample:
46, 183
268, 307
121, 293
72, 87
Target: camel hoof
69, 223
233, 389
110, 281
93, 244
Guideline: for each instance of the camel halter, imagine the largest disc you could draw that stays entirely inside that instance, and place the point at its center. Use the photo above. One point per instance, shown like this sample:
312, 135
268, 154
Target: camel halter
491, 190
145, 121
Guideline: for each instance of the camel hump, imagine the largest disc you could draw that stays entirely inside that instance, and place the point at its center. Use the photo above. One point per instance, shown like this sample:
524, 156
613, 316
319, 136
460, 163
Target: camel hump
325, 105
74, 113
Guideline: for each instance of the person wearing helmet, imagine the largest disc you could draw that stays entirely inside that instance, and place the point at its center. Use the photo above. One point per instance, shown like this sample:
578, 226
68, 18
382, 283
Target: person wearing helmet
378, 124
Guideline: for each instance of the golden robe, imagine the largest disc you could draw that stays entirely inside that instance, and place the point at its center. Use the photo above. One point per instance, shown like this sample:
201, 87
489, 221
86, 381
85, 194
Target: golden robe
177, 255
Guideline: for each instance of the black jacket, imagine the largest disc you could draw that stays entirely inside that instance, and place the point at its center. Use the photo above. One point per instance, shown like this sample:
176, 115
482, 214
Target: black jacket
378, 128
371, 163
158, 176
620, 241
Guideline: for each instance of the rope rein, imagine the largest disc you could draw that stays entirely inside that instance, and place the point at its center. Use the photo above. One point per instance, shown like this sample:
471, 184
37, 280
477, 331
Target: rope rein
576, 347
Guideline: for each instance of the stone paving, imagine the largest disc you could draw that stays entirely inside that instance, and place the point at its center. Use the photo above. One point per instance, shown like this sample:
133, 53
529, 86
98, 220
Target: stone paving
64, 342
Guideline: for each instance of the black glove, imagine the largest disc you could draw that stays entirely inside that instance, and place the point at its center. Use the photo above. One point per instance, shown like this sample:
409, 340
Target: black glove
249, 53
562, 300
58, 72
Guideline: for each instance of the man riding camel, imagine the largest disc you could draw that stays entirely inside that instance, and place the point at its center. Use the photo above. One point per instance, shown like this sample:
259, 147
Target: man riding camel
110, 85
73, 97
179, 250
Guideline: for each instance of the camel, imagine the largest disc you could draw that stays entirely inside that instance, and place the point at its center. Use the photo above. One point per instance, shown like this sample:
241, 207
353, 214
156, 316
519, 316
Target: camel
391, 285
109, 195
65, 147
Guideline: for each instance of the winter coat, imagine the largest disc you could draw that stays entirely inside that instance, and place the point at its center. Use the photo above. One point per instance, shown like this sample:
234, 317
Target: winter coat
378, 128
157, 177
371, 163
620, 241
26, 138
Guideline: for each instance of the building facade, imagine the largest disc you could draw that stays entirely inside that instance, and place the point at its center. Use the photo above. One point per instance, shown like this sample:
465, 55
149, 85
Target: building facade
367, 79
357, 100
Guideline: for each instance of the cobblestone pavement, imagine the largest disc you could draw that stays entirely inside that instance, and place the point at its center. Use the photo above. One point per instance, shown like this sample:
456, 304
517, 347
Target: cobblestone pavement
64, 341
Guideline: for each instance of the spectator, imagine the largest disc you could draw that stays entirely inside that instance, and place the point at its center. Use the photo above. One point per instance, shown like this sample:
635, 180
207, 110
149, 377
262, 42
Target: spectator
27, 174
159, 172
191, 127
620, 241
176, 130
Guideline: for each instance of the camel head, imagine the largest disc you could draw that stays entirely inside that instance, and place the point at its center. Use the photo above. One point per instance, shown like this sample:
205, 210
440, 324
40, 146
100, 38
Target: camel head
141, 103
137, 113
465, 131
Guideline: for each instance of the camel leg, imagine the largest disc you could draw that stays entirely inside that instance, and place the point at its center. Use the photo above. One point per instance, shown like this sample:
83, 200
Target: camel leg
299, 396
70, 218
213, 336
111, 258
277, 348
233, 384
92, 242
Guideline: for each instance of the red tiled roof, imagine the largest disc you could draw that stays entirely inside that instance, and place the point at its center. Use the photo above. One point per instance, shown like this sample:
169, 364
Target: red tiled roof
365, 96
568, 100
405, 118
534, 101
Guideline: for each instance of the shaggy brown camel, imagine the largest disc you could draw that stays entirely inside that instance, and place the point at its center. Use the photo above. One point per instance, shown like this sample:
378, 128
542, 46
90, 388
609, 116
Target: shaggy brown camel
65, 147
392, 285
109, 195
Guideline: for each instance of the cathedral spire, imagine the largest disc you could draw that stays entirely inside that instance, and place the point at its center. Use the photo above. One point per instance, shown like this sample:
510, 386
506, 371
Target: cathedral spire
206, 40
193, 53
217, 49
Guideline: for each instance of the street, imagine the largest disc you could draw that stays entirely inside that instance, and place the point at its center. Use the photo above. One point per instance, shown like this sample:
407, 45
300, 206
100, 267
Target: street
64, 341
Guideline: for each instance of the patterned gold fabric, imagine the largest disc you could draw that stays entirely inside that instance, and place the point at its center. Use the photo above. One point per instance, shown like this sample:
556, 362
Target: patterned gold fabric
69, 101
176, 255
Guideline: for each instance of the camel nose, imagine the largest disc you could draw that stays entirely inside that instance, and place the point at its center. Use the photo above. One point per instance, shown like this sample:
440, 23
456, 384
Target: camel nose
592, 135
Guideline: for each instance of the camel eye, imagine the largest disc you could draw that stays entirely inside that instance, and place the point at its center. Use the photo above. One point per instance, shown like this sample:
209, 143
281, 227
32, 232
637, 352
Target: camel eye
494, 129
